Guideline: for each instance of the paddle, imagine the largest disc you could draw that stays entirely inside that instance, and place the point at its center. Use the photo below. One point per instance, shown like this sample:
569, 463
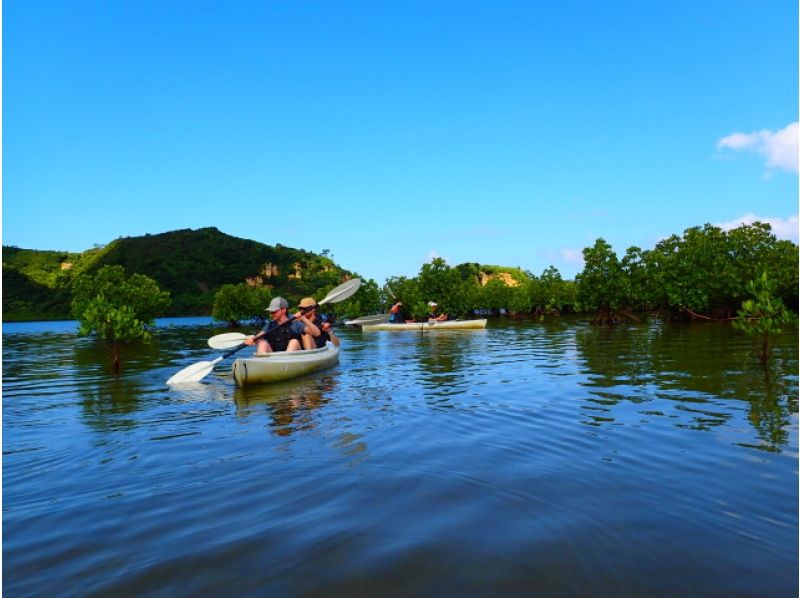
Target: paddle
201, 369
227, 340
376, 319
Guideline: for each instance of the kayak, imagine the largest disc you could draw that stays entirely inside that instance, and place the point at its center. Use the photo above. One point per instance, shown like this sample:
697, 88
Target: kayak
427, 326
274, 367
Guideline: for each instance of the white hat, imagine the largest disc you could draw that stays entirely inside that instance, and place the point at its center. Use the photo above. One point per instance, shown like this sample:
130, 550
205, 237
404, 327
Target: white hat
277, 303
432, 304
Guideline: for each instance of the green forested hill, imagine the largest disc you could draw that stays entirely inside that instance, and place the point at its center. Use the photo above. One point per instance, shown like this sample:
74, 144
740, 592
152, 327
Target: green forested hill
191, 264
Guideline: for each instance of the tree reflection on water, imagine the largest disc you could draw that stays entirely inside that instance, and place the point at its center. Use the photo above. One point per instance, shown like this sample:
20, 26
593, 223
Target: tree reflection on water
694, 365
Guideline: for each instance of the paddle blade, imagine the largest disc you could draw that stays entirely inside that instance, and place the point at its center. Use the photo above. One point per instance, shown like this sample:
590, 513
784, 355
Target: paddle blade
342, 292
194, 373
376, 319
227, 340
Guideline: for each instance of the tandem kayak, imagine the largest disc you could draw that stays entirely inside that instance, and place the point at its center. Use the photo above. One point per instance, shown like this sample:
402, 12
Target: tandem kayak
426, 326
274, 367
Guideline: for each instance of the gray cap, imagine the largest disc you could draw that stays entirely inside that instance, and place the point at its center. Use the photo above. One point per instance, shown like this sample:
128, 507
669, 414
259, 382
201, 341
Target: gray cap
277, 303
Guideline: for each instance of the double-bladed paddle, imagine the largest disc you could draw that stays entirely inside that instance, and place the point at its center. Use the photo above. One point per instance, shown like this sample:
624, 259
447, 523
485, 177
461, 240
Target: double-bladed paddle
201, 369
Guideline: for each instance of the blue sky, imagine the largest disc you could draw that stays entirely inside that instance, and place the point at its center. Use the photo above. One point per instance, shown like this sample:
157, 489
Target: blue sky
508, 133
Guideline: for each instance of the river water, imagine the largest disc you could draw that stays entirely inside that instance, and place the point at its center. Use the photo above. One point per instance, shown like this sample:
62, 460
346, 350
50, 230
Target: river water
532, 458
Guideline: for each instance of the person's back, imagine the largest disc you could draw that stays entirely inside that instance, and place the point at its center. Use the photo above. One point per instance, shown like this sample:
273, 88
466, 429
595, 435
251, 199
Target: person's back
396, 313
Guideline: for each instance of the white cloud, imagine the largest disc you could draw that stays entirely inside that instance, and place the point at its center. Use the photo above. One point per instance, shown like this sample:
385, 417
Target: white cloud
571, 255
783, 228
780, 148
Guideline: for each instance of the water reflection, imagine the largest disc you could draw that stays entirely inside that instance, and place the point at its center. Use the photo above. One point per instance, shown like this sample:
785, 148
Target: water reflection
692, 370
443, 364
289, 405
466, 447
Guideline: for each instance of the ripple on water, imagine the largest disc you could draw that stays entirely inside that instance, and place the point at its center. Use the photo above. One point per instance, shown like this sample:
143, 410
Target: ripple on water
544, 457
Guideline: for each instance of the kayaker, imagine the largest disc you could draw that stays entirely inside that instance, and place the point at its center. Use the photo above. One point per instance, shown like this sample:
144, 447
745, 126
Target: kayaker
396, 313
282, 332
308, 308
432, 315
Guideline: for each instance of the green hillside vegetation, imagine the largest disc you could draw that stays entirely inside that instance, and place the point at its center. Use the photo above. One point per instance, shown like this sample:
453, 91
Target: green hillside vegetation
191, 264
706, 273
26, 299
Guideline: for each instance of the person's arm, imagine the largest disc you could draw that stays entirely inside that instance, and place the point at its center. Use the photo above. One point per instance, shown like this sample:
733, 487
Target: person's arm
310, 327
329, 329
251, 340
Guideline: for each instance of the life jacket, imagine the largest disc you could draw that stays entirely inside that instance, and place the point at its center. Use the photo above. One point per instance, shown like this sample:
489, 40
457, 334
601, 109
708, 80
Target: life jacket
323, 337
279, 336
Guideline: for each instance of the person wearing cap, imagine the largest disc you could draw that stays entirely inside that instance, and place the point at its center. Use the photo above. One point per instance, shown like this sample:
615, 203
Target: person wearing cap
282, 332
432, 315
308, 307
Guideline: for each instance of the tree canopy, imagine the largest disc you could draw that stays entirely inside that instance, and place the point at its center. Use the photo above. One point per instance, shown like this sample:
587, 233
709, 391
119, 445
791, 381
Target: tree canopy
115, 308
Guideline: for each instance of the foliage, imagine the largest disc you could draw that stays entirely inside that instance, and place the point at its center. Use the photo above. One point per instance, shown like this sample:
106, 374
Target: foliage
25, 299
550, 294
117, 309
602, 286
763, 316
702, 274
234, 303
191, 264
446, 286
639, 288
707, 270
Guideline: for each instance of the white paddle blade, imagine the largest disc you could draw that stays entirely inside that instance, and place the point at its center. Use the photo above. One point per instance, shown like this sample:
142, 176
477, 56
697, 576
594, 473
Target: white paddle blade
226, 341
194, 373
376, 319
342, 292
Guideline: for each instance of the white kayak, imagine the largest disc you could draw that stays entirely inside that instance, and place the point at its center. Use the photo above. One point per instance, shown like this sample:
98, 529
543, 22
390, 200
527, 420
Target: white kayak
429, 326
274, 367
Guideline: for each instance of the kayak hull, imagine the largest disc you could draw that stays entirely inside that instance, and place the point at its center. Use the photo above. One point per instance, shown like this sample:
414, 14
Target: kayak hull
429, 326
275, 367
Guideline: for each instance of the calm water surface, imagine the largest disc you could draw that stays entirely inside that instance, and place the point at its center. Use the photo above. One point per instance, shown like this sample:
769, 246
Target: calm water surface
527, 459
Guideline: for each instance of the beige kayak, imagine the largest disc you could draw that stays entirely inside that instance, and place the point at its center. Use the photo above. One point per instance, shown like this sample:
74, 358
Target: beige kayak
429, 326
274, 367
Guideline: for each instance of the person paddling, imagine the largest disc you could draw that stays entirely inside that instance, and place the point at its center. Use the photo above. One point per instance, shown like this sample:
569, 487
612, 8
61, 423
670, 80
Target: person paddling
308, 307
282, 332
433, 316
